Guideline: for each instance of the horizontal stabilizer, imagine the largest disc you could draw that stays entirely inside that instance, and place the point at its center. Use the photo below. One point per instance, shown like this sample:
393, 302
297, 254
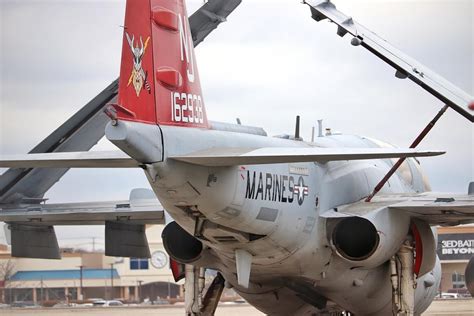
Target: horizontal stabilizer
86, 159
273, 155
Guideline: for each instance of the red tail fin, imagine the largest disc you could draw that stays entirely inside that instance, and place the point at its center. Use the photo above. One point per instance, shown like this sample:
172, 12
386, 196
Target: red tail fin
159, 80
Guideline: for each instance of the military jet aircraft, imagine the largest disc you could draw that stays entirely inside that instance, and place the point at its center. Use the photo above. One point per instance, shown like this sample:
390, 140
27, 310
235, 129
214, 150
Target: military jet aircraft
296, 228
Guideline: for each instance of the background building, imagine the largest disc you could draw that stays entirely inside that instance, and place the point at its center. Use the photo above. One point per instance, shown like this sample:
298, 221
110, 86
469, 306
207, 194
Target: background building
85, 275
455, 248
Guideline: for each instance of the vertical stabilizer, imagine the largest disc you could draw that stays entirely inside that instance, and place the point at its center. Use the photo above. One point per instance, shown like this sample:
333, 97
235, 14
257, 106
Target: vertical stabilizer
159, 80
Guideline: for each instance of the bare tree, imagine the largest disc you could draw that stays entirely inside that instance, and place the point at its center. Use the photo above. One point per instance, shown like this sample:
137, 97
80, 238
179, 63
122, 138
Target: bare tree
7, 268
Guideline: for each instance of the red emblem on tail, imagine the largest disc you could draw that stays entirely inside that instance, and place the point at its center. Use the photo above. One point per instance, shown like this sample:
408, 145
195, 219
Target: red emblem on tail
138, 76
158, 56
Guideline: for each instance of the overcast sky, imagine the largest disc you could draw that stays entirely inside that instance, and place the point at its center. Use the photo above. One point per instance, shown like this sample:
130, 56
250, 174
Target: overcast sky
267, 64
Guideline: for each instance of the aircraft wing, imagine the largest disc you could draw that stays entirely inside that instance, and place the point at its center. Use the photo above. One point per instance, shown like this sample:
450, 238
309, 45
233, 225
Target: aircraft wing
434, 208
88, 213
406, 66
30, 228
209, 16
79, 133
86, 127
219, 157
84, 159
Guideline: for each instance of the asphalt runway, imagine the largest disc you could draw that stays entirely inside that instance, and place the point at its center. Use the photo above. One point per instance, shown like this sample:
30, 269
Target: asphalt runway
463, 307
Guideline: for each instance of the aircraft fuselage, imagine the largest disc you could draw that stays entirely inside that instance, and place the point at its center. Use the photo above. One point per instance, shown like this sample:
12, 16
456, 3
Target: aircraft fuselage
273, 212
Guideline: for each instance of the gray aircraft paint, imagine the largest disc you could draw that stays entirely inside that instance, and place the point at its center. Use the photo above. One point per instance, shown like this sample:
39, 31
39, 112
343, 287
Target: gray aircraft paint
293, 246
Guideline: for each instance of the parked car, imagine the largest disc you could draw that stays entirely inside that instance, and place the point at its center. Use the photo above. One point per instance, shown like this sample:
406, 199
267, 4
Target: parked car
104, 303
462, 293
65, 305
161, 301
450, 295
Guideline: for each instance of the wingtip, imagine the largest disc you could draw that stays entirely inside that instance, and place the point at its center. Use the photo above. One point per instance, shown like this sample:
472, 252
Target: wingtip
430, 153
438, 152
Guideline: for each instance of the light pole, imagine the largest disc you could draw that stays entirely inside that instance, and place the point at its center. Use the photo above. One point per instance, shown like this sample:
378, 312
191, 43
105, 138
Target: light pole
81, 276
111, 281
42, 300
140, 291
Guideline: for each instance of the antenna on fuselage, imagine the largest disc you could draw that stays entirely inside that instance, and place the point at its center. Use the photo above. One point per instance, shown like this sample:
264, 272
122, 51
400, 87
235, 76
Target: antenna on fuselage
320, 130
297, 128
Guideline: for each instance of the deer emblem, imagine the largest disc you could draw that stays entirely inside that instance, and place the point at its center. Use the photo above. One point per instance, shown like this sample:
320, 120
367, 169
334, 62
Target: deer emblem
138, 75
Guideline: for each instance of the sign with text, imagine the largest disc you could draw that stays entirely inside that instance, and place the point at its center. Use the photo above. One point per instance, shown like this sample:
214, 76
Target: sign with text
455, 246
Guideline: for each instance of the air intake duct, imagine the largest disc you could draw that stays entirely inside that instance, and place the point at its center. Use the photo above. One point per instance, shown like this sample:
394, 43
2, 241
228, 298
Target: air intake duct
355, 238
180, 245
369, 240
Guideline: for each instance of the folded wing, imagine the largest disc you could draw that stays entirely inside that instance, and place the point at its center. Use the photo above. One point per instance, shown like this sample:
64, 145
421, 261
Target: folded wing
86, 127
406, 66
208, 17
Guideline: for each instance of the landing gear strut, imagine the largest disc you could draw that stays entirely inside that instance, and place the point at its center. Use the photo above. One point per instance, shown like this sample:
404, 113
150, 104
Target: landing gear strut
195, 303
403, 281
193, 288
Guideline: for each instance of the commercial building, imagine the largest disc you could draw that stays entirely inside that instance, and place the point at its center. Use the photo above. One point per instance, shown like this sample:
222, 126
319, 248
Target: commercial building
455, 248
85, 275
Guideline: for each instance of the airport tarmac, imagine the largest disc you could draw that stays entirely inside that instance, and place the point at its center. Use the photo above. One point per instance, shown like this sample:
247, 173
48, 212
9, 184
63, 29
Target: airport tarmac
438, 308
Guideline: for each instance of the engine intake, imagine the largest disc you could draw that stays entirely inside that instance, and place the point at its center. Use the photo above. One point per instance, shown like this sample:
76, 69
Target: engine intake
180, 245
355, 238
370, 240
